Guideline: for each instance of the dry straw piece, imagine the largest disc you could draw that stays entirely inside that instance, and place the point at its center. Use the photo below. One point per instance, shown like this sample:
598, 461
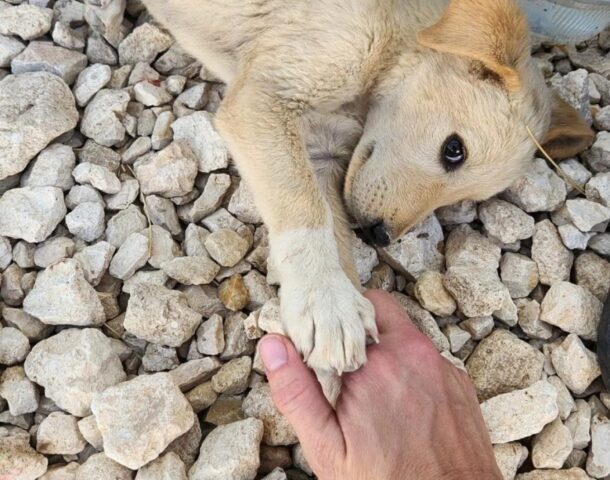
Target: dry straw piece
559, 170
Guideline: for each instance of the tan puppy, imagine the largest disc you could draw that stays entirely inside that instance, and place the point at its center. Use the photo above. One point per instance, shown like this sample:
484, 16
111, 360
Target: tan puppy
443, 91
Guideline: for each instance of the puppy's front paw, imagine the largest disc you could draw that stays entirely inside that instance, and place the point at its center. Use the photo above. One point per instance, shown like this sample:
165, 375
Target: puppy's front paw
328, 320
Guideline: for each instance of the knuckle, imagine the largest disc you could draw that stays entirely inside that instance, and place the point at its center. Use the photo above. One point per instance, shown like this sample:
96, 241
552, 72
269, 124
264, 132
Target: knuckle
424, 350
390, 366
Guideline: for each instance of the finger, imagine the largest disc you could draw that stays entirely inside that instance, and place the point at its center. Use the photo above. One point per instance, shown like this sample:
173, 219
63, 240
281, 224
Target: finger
299, 397
392, 320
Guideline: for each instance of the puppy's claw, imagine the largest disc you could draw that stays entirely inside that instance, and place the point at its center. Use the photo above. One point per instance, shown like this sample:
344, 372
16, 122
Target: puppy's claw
373, 336
331, 385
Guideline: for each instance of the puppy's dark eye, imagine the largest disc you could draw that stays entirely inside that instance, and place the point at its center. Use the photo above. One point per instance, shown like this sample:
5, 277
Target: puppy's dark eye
453, 153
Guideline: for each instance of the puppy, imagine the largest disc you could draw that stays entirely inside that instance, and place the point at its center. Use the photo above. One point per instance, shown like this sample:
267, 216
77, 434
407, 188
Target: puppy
432, 97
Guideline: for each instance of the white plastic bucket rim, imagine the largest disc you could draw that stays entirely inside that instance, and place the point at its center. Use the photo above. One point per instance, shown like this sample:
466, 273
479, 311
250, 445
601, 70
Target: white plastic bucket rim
584, 4
567, 21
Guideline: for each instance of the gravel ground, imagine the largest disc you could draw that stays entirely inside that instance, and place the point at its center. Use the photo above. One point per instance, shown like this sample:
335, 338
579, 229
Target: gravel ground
128, 348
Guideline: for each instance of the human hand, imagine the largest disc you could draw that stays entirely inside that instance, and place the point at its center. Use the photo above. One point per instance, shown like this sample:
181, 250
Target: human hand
408, 414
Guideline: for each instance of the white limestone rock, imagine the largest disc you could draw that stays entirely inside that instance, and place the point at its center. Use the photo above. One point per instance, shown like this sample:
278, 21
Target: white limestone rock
210, 336
62, 296
20, 393
73, 366
25, 21
521, 413
551, 447
97, 176
431, 293
58, 434
418, 250
144, 44
505, 221
502, 363
509, 457
598, 462
47, 57
226, 247
585, 214
554, 260
52, 168
230, 451
242, 205
119, 412
233, 376
95, 260
102, 118
100, 467
519, 273
166, 467
478, 292
198, 131
26, 131
90, 81
365, 259
161, 316
131, 256
576, 365
87, 221
14, 346
579, 424
191, 270
31, 214
539, 190
169, 173
573, 309
18, 455
466, 247
123, 224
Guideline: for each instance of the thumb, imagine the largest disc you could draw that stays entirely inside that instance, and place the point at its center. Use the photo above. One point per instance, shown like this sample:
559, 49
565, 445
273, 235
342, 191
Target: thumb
299, 397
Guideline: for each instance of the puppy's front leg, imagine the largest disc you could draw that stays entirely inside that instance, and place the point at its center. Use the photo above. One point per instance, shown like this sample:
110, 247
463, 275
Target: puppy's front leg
330, 141
324, 314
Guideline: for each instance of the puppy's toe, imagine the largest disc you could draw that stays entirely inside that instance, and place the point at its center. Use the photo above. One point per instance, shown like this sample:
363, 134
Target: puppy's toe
368, 320
329, 323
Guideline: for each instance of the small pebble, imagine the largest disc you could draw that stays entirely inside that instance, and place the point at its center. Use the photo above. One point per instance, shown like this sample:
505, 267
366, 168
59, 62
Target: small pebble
233, 293
14, 346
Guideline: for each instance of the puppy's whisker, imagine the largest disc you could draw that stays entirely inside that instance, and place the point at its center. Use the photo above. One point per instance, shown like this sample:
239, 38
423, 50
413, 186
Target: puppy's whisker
559, 170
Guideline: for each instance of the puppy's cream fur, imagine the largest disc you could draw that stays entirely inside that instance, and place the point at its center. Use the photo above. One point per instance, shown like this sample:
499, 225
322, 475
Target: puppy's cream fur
311, 81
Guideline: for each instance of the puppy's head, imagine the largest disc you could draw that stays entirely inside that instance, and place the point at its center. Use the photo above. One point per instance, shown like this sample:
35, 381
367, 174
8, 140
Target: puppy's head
450, 123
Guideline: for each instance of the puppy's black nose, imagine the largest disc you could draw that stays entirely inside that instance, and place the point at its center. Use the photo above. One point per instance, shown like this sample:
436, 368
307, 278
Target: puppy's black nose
377, 234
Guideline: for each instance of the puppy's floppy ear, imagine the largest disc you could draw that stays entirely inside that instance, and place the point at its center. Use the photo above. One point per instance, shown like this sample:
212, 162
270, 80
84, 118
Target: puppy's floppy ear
493, 32
569, 134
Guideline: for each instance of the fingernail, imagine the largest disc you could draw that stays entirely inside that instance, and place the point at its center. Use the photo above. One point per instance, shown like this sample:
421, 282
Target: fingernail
273, 353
